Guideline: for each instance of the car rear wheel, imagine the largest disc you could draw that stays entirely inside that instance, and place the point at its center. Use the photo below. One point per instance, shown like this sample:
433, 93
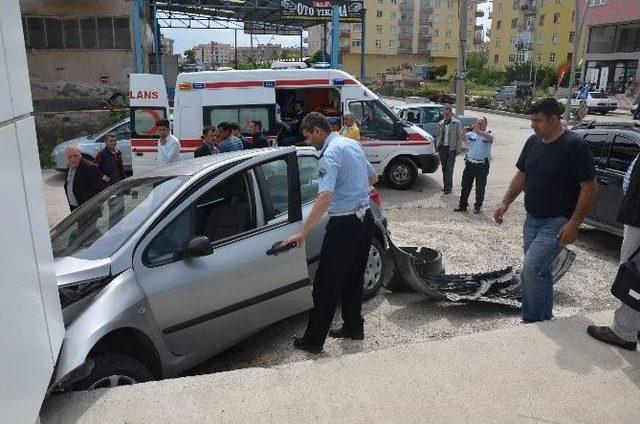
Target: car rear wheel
374, 272
112, 370
401, 173
603, 112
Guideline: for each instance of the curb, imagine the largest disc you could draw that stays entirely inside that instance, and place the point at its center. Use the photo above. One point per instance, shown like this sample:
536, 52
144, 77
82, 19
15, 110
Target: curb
497, 112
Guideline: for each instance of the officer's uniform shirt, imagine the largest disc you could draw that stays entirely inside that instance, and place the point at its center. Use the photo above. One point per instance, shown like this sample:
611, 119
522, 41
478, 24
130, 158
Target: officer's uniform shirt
345, 172
479, 148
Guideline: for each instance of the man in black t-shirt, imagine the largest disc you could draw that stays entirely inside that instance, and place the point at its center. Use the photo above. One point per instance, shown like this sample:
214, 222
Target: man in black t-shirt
557, 174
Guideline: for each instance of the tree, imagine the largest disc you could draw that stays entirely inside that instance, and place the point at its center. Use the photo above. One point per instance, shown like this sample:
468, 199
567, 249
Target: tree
480, 72
317, 57
190, 54
441, 70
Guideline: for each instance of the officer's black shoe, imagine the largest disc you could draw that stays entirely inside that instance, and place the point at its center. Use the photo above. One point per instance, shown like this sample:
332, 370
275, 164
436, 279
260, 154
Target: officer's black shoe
301, 344
477, 211
341, 333
460, 209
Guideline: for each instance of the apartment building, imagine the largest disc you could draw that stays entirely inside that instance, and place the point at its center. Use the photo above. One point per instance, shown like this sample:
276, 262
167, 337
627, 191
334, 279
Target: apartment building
212, 55
402, 32
260, 53
613, 45
541, 31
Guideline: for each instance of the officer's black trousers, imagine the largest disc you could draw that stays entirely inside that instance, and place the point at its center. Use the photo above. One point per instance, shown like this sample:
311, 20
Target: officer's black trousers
474, 171
343, 259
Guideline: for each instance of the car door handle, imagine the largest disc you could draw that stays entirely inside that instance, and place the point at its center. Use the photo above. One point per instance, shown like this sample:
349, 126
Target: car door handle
278, 247
603, 182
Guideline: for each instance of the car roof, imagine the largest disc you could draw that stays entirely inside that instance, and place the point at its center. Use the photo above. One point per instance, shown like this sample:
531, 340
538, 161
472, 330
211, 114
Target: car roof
419, 105
206, 163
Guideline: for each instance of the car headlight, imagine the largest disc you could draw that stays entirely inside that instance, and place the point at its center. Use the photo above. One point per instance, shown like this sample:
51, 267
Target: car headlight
74, 292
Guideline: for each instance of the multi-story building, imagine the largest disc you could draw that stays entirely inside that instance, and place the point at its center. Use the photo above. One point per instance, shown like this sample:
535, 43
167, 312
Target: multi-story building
401, 32
541, 31
167, 46
212, 55
613, 45
260, 53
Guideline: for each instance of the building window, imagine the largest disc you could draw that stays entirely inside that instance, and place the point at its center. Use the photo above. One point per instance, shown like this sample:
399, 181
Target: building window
558, 1
514, 23
512, 58
541, 20
628, 38
379, 29
436, 3
449, 4
556, 18
378, 44
379, 14
515, 5
392, 15
554, 38
77, 33
380, 1
601, 39
539, 58
552, 58
497, 42
572, 35
447, 47
435, 32
394, 1
514, 40
569, 57
356, 27
496, 58
393, 29
540, 39
499, 25
500, 7
447, 33
392, 43
596, 2
450, 19
355, 43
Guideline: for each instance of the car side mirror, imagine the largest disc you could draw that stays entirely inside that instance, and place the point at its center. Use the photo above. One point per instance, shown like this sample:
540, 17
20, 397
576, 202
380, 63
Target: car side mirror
399, 131
198, 246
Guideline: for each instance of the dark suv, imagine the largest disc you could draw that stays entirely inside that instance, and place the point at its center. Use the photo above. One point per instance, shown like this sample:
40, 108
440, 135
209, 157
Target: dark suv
614, 146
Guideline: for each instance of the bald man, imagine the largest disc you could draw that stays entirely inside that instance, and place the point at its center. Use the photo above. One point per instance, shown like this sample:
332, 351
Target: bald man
350, 129
83, 180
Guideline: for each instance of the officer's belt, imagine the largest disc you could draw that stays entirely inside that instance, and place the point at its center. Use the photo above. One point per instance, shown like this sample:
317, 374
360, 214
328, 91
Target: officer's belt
346, 213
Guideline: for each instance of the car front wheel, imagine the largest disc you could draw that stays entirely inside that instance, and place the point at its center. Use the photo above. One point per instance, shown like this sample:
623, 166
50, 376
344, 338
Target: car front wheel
374, 271
112, 370
401, 173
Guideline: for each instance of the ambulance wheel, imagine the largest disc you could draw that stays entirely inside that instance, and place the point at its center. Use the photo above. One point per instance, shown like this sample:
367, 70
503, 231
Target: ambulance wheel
401, 173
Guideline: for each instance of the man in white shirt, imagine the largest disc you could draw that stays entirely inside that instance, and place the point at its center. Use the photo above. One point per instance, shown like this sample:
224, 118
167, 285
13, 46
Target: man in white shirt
168, 145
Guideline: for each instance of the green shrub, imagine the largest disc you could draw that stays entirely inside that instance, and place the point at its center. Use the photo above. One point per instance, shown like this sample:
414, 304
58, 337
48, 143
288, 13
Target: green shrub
441, 70
484, 102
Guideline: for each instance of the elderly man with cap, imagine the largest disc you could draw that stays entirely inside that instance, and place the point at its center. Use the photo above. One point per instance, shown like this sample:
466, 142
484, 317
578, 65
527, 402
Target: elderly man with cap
343, 191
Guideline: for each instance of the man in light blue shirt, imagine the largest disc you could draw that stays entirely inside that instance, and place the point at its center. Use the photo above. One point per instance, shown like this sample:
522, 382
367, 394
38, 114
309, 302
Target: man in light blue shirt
476, 165
229, 142
343, 191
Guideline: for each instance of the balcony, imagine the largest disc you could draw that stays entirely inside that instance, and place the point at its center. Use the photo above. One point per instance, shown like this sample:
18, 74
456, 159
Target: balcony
529, 7
404, 36
524, 46
525, 28
477, 40
406, 7
424, 50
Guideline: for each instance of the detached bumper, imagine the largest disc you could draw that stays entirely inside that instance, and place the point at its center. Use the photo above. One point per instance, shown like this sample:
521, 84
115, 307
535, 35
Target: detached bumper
428, 163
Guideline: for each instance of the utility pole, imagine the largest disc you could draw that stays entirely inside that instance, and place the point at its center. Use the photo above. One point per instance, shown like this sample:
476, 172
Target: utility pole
579, 20
324, 42
235, 46
461, 74
335, 36
363, 26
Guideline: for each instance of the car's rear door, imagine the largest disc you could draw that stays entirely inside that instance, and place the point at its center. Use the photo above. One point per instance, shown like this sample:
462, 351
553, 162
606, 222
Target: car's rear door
204, 304
622, 152
597, 142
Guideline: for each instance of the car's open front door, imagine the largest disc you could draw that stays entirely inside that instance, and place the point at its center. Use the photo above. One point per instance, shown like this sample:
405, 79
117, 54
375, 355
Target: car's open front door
207, 301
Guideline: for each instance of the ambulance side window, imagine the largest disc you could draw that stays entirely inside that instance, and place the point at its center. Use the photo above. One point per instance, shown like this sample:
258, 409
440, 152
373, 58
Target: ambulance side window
241, 115
374, 120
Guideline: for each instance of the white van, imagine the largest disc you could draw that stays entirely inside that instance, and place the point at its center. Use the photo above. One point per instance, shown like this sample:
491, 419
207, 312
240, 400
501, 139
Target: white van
396, 149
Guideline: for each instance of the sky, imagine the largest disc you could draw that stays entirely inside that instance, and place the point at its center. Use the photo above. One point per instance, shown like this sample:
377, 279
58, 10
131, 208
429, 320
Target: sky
187, 38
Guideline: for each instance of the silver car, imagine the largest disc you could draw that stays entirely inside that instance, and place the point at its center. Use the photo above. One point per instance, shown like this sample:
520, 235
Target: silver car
90, 145
163, 270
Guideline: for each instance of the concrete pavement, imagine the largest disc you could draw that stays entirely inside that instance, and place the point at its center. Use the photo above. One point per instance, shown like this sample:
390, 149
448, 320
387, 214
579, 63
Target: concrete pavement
550, 372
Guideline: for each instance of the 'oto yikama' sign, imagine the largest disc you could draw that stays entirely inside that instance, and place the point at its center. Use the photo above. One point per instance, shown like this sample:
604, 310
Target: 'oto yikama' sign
319, 10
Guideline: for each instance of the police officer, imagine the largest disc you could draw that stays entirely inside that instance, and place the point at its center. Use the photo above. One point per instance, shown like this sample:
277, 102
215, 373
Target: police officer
343, 191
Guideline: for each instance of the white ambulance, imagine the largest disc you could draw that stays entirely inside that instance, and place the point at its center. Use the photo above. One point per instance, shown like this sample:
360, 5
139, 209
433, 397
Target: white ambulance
396, 149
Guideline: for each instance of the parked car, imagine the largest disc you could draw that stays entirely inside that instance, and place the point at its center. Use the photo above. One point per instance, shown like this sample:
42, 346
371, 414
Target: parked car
512, 92
90, 145
596, 102
614, 146
427, 116
165, 269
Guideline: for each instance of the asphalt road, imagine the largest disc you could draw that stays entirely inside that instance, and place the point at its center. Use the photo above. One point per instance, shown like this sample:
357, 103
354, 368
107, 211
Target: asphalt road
469, 243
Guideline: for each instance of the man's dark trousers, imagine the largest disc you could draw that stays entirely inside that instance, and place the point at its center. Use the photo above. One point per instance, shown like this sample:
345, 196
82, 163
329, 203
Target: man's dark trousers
474, 171
447, 162
343, 259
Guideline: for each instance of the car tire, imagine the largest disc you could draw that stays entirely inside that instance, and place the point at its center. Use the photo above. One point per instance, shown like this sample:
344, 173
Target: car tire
112, 370
401, 173
375, 270
603, 112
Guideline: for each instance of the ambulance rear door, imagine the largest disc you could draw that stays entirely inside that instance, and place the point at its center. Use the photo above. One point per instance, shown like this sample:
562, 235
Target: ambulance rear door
148, 103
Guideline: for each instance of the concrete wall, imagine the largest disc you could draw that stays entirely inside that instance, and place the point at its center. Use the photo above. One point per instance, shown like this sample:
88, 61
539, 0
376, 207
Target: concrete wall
375, 64
75, 7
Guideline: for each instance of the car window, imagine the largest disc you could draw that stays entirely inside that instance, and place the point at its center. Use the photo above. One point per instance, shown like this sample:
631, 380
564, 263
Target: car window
223, 212
411, 115
433, 114
277, 184
598, 95
309, 178
122, 132
596, 145
374, 119
623, 151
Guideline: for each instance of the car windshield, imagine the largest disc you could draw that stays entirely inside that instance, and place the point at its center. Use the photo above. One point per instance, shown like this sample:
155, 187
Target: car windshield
598, 95
102, 225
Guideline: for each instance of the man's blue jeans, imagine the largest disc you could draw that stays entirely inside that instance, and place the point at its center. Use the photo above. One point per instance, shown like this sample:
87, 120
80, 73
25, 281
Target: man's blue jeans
541, 246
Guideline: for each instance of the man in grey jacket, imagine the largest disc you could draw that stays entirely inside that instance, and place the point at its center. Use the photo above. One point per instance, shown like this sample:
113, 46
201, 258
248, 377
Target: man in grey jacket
449, 138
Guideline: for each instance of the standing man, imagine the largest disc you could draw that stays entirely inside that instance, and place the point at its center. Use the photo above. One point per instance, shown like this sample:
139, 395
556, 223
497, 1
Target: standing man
208, 146
228, 142
235, 130
259, 140
295, 133
109, 161
345, 177
476, 165
449, 138
350, 129
626, 321
168, 145
557, 174
83, 180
